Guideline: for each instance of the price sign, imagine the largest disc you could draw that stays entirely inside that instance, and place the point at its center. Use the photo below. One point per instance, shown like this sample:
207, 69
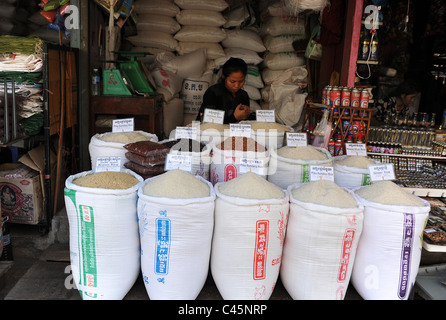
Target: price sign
321, 173
213, 116
356, 149
251, 165
382, 172
108, 164
123, 125
265, 116
178, 161
296, 139
240, 130
186, 133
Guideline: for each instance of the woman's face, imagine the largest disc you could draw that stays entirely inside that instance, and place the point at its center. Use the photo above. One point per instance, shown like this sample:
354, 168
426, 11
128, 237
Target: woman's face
408, 98
234, 82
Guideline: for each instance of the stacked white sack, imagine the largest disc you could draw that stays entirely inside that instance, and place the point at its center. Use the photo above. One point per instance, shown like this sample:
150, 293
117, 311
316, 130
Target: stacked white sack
176, 235
248, 237
389, 251
323, 231
104, 238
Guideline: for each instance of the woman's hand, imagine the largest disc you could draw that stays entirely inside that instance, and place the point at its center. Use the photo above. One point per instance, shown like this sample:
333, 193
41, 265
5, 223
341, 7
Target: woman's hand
242, 112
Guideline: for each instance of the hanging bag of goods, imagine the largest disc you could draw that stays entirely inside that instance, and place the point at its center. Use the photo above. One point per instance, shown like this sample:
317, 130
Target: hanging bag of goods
352, 171
104, 238
389, 251
290, 165
323, 231
250, 225
111, 144
234, 156
176, 221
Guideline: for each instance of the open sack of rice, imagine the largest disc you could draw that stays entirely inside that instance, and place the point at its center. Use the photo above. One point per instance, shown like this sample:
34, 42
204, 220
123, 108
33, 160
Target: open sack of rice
250, 225
228, 155
269, 134
352, 171
323, 231
176, 221
290, 165
111, 144
104, 238
389, 251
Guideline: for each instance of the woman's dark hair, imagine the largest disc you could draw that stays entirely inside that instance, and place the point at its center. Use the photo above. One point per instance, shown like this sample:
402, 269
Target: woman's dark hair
409, 86
234, 65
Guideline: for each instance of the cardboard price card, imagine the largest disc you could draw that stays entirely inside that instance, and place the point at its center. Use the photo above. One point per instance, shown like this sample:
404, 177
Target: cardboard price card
123, 125
356, 149
108, 164
251, 165
186, 133
178, 161
296, 139
265, 116
213, 116
240, 130
321, 173
382, 172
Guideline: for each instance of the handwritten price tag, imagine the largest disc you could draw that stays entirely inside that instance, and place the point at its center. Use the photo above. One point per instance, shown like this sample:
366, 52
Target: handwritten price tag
251, 165
265, 116
296, 139
321, 173
240, 130
186, 133
178, 161
382, 172
108, 164
213, 116
123, 125
356, 149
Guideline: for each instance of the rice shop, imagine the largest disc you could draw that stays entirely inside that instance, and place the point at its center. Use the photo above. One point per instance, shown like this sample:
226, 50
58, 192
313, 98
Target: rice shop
223, 150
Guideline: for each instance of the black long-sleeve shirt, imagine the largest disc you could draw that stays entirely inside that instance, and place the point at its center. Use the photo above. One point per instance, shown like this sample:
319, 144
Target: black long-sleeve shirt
219, 98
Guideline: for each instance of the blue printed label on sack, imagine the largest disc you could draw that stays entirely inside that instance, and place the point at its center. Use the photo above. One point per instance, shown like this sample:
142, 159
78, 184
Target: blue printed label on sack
162, 252
406, 252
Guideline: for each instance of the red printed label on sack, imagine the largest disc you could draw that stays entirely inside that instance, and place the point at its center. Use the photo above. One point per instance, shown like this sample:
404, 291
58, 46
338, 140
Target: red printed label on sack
347, 245
261, 249
230, 172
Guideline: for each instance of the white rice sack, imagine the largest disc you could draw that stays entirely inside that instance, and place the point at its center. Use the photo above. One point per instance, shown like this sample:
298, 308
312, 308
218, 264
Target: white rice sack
172, 115
200, 34
244, 38
168, 81
293, 166
158, 7
176, 235
199, 17
389, 251
283, 25
254, 78
156, 39
104, 238
249, 56
111, 144
213, 50
248, 237
187, 65
157, 22
352, 171
227, 156
216, 5
282, 42
321, 241
253, 92
280, 9
269, 134
283, 60
193, 90
238, 16
201, 160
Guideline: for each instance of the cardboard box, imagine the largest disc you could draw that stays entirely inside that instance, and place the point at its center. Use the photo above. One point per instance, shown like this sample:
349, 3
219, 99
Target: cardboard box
21, 198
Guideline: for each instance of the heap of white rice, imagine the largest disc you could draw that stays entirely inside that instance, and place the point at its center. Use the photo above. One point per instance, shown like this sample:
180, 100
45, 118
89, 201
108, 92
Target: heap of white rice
107, 180
388, 192
251, 186
303, 153
176, 184
355, 161
324, 192
124, 137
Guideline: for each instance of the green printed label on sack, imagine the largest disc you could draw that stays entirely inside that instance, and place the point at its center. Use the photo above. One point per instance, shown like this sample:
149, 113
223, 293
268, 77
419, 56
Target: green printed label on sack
366, 180
305, 173
88, 247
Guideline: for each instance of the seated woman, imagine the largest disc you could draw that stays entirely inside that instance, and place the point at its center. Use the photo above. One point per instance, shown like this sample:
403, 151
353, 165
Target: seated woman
228, 95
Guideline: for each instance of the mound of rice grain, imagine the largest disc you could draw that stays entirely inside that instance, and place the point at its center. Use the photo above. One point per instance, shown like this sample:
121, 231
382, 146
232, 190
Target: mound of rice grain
388, 192
215, 126
324, 192
356, 161
268, 126
124, 137
107, 180
303, 153
251, 186
176, 184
